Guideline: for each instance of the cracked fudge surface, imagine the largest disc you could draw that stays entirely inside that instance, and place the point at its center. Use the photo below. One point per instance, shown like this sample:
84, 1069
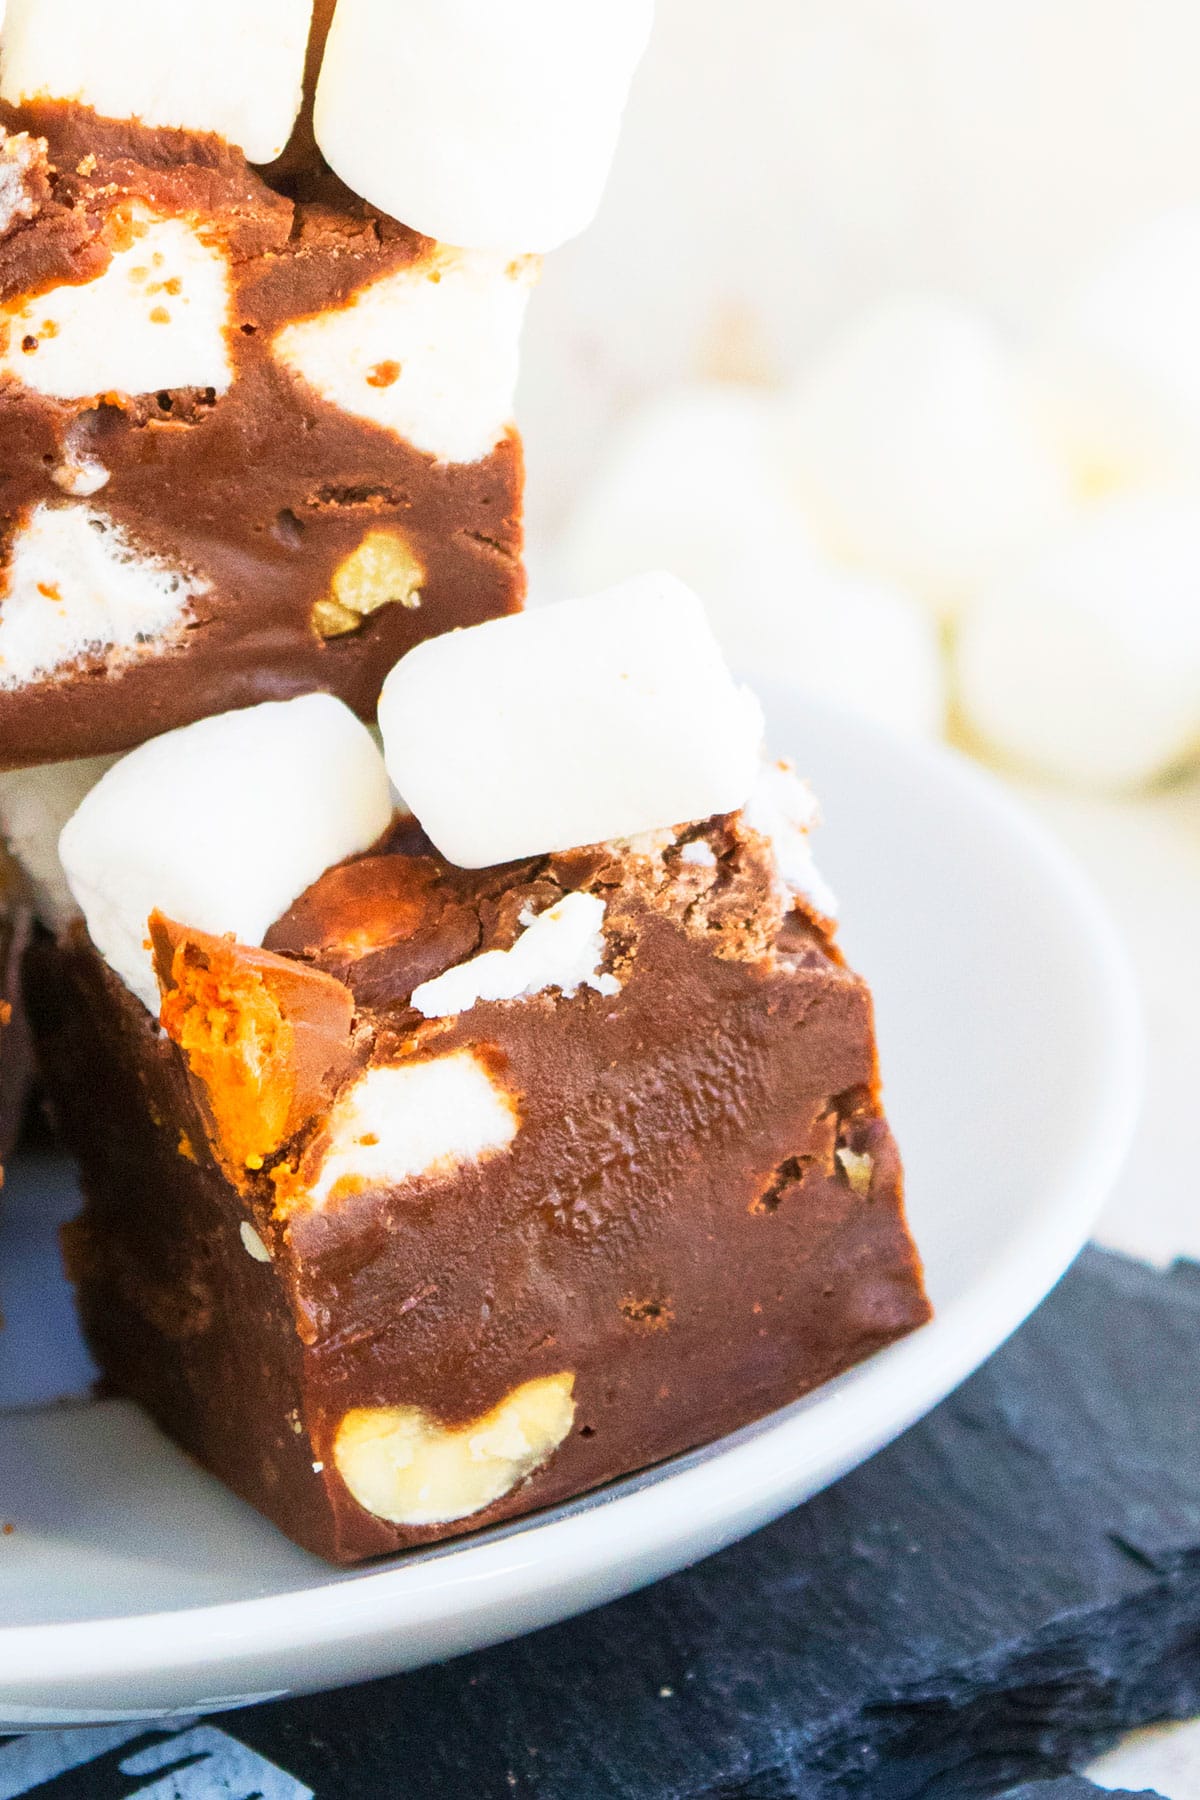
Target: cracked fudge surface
270, 517
395, 1273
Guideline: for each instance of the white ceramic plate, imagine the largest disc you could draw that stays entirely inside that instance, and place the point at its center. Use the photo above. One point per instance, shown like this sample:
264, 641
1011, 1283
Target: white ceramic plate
132, 1585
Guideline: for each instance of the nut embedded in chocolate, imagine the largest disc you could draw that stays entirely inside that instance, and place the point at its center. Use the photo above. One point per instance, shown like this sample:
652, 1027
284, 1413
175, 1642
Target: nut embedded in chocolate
382, 572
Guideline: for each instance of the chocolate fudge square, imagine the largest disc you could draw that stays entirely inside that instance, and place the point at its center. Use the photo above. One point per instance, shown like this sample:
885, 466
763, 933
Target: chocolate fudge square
402, 1237
253, 442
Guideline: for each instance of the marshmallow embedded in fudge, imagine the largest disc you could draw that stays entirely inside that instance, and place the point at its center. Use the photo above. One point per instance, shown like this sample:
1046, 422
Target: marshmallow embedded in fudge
429, 353
78, 587
222, 66
35, 804
917, 453
562, 948
221, 825
593, 719
402, 1121
155, 318
490, 123
1086, 664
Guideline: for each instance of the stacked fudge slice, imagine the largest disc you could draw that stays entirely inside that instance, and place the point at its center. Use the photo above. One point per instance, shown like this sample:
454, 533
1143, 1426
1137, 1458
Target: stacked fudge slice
448, 1158
255, 432
256, 436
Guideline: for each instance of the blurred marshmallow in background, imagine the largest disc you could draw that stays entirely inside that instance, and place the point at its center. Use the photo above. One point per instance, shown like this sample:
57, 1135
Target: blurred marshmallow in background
972, 273
1085, 662
918, 451
913, 474
1120, 362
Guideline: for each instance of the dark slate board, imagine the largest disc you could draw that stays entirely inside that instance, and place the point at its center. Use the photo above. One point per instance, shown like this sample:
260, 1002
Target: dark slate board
992, 1600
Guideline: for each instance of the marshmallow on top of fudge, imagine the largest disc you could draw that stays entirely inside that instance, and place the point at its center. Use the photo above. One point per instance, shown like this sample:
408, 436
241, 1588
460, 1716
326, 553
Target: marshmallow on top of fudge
594, 719
610, 718
523, 99
221, 824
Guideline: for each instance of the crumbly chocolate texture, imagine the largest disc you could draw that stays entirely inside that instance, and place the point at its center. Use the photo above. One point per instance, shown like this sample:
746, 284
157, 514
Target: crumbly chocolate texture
263, 490
695, 1218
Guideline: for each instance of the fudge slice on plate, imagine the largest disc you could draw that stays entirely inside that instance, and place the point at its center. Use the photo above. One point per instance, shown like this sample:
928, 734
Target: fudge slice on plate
433, 1191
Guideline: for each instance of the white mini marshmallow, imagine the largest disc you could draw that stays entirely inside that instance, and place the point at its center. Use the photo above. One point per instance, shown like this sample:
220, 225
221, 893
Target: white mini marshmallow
1086, 665
483, 122
594, 719
784, 809
562, 947
430, 353
690, 484
699, 853
35, 804
77, 586
221, 825
1121, 365
916, 451
414, 1119
204, 65
155, 318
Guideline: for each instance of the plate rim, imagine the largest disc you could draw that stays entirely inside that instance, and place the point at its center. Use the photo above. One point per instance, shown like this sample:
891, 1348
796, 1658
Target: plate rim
568, 1558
